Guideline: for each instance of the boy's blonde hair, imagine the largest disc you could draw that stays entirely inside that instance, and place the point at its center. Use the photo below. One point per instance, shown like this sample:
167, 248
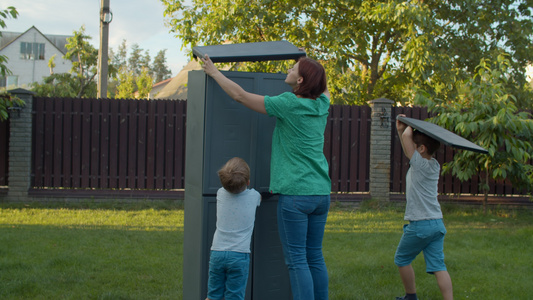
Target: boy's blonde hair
235, 175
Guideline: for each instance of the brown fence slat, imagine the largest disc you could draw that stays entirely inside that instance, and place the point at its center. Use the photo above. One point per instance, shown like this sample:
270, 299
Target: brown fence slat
57, 142
132, 144
38, 143
150, 146
160, 146
104, 144
114, 153
67, 143
94, 167
141, 144
170, 118
355, 147
48, 156
123, 145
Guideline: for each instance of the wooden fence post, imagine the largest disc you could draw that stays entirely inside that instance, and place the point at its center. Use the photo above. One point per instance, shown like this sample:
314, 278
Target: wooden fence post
20, 148
380, 149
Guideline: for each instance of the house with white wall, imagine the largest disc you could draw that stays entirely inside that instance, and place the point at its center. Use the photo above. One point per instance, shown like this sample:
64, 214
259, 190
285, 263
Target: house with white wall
28, 54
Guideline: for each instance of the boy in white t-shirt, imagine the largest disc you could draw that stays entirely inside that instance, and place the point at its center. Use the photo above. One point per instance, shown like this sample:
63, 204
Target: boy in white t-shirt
230, 252
425, 231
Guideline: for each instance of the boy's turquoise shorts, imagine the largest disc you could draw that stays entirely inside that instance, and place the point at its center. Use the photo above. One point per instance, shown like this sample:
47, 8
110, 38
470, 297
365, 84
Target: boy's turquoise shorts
422, 236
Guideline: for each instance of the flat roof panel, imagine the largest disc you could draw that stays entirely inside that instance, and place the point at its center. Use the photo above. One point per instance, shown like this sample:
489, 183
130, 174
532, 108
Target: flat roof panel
260, 51
442, 135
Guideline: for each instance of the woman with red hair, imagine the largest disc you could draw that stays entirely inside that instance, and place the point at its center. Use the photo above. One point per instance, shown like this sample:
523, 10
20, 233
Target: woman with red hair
299, 169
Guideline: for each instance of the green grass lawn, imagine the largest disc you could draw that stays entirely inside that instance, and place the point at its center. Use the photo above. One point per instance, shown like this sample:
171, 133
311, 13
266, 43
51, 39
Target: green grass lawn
134, 251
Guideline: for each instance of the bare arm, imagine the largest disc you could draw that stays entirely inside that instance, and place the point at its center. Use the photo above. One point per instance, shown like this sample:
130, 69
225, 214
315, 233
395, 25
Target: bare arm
236, 92
405, 133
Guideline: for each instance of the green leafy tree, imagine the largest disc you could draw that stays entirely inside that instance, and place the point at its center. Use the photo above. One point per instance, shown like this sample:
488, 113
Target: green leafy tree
7, 100
58, 85
52, 64
488, 115
84, 62
144, 84
126, 84
5, 14
372, 49
136, 60
120, 58
159, 67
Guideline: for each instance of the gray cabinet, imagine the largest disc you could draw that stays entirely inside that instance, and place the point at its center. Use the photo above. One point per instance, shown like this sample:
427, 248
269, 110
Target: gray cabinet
219, 128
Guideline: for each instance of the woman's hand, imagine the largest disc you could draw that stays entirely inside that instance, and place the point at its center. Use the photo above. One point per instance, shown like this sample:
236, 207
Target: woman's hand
208, 66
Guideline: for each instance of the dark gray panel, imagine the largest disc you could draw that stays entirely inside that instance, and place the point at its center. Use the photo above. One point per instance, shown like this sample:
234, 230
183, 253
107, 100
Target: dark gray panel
234, 130
444, 136
261, 51
270, 274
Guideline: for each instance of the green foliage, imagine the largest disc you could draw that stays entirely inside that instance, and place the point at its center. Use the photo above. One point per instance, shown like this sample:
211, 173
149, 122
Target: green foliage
64, 85
126, 85
373, 49
7, 101
159, 67
4, 14
84, 59
488, 115
144, 84
138, 67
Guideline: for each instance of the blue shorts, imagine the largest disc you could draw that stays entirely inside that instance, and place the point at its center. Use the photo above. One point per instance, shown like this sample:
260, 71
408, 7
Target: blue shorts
422, 236
228, 275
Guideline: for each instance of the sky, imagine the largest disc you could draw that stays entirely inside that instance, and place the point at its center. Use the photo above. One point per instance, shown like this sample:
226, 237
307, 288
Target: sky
138, 21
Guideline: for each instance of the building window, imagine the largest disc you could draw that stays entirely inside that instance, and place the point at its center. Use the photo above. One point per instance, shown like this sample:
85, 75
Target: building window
33, 51
8, 81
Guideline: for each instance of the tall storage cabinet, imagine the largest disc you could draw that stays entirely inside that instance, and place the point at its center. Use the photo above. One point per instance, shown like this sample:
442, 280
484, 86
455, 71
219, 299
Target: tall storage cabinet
219, 128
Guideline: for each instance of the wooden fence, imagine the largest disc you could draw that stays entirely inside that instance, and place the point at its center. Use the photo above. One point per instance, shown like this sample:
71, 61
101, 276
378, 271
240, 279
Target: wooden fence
132, 145
108, 144
4, 152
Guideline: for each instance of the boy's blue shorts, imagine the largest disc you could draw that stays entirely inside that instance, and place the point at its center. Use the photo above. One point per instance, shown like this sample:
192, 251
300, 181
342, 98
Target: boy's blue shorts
426, 236
228, 275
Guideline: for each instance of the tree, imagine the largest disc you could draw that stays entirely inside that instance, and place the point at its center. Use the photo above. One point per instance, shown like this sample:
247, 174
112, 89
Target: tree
144, 84
61, 85
489, 116
7, 100
52, 64
372, 48
4, 14
159, 67
136, 61
126, 84
84, 60
120, 58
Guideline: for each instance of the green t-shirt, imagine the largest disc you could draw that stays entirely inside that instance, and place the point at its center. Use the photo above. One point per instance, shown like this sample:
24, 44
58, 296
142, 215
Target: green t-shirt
298, 165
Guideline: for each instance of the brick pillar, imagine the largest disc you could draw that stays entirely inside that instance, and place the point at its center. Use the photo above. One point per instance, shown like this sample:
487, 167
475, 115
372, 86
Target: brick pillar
20, 148
380, 149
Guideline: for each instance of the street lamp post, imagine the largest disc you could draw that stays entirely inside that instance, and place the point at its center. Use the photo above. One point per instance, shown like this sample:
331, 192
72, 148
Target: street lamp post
105, 18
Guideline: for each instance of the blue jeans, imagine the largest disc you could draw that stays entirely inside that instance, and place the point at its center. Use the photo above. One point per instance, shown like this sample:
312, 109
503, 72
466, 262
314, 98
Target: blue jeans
301, 223
228, 274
